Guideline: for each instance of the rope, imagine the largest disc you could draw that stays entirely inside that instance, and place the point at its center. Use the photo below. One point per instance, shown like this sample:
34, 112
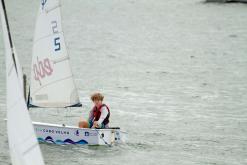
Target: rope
103, 138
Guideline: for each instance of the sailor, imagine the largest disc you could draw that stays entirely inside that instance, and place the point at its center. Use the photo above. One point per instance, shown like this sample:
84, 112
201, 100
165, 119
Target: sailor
99, 115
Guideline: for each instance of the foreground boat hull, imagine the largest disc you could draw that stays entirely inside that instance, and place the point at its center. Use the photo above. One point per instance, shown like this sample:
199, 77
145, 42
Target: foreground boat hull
62, 134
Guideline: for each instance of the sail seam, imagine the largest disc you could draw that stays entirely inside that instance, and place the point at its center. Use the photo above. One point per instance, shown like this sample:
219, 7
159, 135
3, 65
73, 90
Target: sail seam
52, 8
11, 69
61, 59
30, 148
41, 38
15, 103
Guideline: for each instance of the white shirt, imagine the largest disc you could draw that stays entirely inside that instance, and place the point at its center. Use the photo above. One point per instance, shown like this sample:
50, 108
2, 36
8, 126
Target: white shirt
103, 115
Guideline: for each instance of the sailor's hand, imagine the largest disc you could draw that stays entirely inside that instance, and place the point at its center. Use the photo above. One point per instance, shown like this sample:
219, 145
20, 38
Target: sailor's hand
95, 124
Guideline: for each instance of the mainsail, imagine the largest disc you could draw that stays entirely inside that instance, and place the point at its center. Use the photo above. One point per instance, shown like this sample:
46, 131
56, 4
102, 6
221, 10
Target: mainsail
23, 145
52, 83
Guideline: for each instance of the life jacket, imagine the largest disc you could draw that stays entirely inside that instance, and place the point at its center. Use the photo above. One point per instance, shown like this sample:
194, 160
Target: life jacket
97, 113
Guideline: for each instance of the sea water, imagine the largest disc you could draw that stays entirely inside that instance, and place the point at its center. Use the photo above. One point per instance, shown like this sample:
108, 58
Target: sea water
174, 74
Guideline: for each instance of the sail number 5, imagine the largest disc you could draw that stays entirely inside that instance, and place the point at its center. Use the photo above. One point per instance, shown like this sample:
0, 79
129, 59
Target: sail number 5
57, 43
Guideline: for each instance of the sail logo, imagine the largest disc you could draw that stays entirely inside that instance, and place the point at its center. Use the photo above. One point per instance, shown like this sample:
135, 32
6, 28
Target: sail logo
42, 69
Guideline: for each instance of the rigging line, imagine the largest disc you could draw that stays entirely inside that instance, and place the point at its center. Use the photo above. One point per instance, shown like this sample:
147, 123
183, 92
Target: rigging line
67, 49
9, 35
101, 137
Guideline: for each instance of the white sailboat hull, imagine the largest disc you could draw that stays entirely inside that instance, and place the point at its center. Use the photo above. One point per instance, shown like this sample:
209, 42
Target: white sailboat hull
61, 134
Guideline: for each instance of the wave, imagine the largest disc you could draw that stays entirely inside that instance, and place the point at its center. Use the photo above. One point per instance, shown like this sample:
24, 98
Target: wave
49, 139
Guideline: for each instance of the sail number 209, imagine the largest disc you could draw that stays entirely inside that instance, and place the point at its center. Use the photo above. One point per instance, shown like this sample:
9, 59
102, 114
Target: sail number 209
57, 45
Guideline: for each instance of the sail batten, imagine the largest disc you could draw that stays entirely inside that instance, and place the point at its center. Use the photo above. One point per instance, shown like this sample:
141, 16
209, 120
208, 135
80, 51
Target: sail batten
52, 83
52, 8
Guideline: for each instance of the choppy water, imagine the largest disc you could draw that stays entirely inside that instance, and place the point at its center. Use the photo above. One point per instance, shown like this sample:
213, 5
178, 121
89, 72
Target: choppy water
173, 72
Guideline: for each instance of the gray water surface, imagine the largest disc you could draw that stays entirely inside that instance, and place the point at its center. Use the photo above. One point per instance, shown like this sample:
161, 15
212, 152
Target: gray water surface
174, 74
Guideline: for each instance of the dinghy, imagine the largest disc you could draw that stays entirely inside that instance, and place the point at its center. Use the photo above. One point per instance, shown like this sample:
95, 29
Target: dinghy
23, 145
52, 84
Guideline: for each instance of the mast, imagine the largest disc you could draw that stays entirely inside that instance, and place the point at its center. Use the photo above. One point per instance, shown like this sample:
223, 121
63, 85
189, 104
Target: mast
9, 35
14, 56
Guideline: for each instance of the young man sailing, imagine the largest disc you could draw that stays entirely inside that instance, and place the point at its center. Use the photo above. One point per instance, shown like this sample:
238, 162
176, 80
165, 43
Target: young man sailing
99, 115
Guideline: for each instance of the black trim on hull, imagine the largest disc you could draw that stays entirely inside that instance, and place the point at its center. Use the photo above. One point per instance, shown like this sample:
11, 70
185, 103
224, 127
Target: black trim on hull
35, 106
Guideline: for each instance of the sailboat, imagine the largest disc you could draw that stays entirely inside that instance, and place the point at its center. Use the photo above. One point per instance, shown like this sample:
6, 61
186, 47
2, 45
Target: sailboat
23, 145
52, 84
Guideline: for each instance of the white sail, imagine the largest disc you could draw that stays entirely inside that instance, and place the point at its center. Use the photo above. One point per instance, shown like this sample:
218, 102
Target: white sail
52, 83
23, 145
19, 70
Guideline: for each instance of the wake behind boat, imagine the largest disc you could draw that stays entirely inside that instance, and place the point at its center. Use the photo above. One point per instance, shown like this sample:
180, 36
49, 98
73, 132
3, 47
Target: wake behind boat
52, 84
